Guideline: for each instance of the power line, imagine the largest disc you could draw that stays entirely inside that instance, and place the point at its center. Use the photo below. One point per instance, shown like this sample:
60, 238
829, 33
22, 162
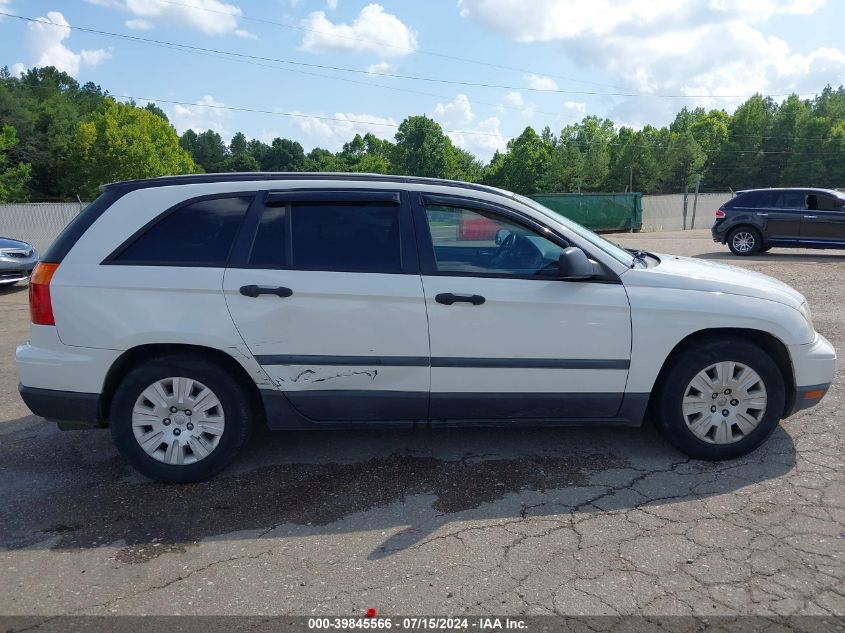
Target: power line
177, 45
243, 16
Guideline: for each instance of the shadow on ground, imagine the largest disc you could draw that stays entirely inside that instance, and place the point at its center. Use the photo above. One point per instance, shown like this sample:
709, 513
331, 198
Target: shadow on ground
73, 491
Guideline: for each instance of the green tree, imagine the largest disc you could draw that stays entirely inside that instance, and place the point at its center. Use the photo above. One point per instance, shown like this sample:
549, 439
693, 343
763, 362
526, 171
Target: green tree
284, 155
525, 163
14, 178
121, 142
421, 148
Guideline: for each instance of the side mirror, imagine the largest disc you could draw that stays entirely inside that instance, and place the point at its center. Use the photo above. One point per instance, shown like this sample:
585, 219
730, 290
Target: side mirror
501, 236
574, 264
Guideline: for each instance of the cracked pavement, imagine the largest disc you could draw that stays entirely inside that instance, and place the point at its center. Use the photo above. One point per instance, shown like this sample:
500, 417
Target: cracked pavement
599, 521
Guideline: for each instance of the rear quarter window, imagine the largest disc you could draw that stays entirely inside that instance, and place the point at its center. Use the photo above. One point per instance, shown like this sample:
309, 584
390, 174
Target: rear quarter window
199, 233
741, 200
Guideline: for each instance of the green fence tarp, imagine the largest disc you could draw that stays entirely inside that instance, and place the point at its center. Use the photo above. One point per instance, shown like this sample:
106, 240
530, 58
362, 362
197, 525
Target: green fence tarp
597, 211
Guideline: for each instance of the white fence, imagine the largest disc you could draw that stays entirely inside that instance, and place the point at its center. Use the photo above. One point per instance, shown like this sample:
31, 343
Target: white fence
666, 213
38, 222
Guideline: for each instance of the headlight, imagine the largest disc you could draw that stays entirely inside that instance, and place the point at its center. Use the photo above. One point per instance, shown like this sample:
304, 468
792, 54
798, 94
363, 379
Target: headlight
805, 311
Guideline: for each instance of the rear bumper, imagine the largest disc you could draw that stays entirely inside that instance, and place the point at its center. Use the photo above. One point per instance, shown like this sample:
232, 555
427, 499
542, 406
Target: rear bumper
719, 232
71, 409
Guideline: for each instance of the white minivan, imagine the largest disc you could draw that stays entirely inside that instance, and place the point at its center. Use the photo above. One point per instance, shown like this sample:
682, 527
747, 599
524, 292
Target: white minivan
181, 311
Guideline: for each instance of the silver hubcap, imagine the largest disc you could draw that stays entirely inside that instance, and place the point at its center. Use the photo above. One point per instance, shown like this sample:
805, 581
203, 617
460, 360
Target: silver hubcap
724, 402
743, 241
178, 421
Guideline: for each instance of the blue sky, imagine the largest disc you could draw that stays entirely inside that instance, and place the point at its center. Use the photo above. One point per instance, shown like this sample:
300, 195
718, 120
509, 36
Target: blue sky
543, 58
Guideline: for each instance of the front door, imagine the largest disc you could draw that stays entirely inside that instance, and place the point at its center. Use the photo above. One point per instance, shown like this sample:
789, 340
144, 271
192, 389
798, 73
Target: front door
824, 219
325, 290
509, 340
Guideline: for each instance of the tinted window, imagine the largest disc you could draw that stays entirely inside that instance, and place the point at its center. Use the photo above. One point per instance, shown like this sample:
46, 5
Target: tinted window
358, 237
469, 241
200, 234
766, 199
792, 200
746, 199
269, 249
828, 203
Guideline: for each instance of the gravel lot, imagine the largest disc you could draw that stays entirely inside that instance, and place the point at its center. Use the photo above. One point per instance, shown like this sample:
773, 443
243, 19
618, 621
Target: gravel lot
568, 521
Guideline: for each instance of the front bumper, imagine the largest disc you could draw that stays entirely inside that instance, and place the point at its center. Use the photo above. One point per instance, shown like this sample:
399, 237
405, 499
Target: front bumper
813, 366
13, 269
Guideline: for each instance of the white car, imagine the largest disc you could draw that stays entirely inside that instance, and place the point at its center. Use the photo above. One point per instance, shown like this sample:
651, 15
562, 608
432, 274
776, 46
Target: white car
181, 311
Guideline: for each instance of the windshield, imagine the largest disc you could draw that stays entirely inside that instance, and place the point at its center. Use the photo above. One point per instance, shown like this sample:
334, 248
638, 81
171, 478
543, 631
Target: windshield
618, 253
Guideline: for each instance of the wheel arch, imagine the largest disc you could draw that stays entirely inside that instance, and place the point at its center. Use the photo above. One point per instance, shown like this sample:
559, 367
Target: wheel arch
133, 357
764, 340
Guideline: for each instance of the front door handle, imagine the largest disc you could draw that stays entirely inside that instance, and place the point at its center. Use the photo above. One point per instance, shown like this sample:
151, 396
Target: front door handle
447, 298
809, 217
763, 215
254, 291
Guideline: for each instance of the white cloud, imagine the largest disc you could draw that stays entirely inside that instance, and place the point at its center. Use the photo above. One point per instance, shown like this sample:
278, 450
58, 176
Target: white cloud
332, 131
575, 108
372, 31
211, 17
331, 4
701, 48
138, 25
540, 82
381, 67
201, 117
514, 99
45, 45
247, 35
6, 7
458, 120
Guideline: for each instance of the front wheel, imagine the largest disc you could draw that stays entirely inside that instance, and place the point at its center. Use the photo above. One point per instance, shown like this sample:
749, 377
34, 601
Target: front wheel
745, 241
180, 418
720, 400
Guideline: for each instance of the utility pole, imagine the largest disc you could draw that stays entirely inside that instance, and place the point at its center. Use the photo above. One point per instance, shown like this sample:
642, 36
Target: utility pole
630, 179
686, 195
695, 201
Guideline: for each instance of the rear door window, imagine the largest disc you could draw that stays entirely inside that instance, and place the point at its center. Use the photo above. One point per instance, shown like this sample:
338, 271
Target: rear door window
198, 234
330, 236
792, 200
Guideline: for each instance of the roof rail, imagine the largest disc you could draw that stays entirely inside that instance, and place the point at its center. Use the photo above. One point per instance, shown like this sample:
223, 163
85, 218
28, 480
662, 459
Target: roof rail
191, 179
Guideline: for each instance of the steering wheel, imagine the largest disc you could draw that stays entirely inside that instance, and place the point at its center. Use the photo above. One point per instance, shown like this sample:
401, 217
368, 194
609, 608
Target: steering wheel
502, 252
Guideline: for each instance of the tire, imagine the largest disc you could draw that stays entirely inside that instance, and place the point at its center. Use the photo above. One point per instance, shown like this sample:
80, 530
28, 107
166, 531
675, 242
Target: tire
678, 425
7, 284
766, 248
221, 441
744, 241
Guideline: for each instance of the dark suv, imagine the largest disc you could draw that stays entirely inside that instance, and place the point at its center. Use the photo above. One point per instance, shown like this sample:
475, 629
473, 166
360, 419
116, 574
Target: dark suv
754, 221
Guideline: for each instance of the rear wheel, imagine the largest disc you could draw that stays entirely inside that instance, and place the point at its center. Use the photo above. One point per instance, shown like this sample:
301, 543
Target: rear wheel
720, 399
180, 418
745, 240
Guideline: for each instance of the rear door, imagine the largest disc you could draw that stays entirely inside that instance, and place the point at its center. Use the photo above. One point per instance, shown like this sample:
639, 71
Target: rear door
779, 213
509, 340
824, 219
324, 287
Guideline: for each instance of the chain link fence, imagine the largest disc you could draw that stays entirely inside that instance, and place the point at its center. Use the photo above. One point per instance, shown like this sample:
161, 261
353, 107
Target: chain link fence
37, 222
666, 213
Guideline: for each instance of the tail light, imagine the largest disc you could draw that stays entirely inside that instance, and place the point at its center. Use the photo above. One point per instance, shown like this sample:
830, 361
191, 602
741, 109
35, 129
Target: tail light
40, 305
720, 213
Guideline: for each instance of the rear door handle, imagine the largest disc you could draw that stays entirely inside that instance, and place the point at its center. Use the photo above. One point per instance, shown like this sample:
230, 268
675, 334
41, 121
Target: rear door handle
810, 217
763, 215
447, 298
254, 291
